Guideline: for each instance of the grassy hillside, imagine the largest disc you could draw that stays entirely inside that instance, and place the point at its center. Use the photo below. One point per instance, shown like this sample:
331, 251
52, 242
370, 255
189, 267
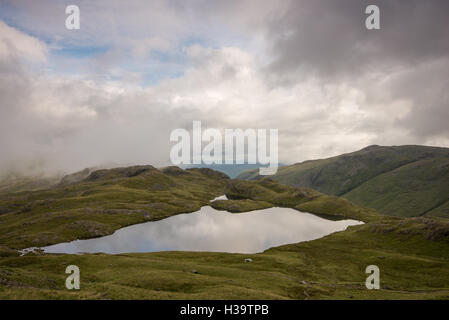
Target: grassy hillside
104, 201
333, 267
401, 181
440, 211
412, 254
302, 199
411, 190
231, 170
109, 199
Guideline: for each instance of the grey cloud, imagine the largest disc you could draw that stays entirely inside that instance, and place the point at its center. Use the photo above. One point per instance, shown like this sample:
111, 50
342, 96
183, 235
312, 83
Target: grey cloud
330, 38
406, 60
428, 88
331, 87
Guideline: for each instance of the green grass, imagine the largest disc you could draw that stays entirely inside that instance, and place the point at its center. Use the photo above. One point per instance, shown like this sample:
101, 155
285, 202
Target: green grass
401, 180
112, 199
411, 267
243, 205
102, 203
412, 253
411, 190
439, 211
303, 199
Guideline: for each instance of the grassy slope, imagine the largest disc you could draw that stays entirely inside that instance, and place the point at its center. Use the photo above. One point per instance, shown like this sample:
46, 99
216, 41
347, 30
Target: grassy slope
440, 211
393, 180
412, 254
268, 191
411, 266
231, 170
411, 190
103, 202
242, 205
110, 199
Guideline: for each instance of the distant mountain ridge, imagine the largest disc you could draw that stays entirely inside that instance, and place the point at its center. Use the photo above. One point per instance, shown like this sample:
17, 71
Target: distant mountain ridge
232, 170
23, 183
406, 181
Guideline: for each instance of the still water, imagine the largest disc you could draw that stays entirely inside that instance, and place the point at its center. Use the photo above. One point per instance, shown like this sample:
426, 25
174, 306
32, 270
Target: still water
212, 230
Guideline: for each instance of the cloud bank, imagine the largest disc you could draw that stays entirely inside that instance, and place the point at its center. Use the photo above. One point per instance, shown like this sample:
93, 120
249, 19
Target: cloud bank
111, 92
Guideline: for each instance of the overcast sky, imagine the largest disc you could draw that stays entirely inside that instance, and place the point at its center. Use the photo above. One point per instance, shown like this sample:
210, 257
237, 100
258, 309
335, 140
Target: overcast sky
111, 92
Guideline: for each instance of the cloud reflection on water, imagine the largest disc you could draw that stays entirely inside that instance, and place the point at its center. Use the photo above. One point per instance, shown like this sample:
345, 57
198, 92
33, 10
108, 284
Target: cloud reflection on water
212, 230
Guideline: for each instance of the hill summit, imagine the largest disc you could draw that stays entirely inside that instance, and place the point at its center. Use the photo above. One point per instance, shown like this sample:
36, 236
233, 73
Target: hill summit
406, 181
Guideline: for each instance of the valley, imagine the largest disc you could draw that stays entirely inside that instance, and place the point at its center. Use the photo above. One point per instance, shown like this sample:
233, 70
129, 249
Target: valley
412, 253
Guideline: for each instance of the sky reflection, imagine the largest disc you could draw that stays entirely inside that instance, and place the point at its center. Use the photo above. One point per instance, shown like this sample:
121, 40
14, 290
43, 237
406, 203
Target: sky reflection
212, 230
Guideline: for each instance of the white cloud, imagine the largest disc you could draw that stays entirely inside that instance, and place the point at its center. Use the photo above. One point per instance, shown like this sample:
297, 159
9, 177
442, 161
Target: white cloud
16, 44
97, 109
